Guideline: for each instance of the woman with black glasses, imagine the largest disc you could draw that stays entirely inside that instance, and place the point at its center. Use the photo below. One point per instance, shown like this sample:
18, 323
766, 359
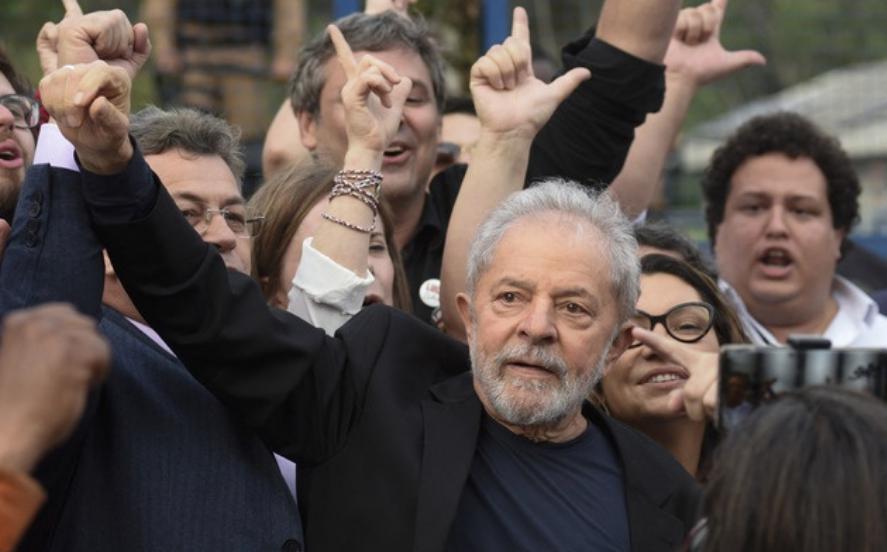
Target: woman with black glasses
683, 320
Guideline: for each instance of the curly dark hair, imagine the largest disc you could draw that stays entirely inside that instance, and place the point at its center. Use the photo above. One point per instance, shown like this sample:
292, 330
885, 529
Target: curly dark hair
793, 136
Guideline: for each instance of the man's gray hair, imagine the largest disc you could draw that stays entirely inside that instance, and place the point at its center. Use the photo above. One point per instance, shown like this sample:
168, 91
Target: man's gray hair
370, 33
157, 131
566, 198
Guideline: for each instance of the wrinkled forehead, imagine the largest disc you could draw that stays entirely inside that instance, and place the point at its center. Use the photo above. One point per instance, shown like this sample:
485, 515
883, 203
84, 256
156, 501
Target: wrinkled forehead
206, 179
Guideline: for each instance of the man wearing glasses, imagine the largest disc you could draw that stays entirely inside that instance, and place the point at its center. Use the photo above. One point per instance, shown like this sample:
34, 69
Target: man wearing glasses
19, 114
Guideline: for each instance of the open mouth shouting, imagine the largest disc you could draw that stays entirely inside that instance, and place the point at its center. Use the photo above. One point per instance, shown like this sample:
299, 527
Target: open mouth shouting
775, 262
10, 155
397, 153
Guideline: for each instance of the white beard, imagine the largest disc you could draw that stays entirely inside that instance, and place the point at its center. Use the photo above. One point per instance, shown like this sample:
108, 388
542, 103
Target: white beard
532, 402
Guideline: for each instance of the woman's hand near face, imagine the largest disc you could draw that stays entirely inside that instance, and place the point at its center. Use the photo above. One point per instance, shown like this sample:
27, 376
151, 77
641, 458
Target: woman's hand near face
699, 396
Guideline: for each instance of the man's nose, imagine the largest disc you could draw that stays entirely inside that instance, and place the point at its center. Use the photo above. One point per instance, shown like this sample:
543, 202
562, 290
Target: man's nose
219, 233
7, 119
538, 324
776, 223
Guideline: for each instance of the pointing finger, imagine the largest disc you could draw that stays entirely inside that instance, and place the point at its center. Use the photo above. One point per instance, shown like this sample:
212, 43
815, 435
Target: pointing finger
72, 8
520, 26
343, 51
665, 347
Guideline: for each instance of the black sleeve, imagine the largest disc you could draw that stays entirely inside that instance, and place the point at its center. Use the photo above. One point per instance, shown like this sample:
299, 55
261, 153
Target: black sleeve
299, 389
588, 136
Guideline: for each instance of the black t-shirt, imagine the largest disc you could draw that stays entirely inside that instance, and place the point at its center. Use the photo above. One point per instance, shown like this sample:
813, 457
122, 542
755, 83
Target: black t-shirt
522, 495
586, 139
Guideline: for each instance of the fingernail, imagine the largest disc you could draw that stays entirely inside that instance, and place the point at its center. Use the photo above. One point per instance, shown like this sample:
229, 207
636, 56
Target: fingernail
78, 97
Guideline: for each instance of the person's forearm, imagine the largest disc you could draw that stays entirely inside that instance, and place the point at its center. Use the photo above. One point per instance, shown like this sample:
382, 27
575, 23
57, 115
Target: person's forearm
497, 170
289, 28
282, 143
346, 246
639, 27
640, 180
160, 16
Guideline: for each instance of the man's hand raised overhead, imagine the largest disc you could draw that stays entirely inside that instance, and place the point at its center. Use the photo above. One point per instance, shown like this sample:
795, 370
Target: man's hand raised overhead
91, 104
509, 99
695, 51
102, 35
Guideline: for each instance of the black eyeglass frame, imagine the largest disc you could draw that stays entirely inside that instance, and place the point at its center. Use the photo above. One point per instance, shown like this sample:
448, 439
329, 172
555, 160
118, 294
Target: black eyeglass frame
661, 319
32, 118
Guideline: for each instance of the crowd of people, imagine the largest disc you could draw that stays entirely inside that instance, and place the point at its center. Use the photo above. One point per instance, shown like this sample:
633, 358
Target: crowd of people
386, 348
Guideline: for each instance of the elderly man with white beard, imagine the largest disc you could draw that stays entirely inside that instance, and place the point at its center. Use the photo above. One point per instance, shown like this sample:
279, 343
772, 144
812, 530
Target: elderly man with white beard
400, 445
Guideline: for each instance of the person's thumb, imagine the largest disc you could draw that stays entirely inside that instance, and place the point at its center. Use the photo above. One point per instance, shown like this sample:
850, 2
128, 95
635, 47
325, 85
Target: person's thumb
745, 58
564, 85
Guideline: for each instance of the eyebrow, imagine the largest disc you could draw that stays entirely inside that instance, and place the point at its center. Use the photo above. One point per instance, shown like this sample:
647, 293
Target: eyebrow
520, 284
417, 84
764, 195
229, 201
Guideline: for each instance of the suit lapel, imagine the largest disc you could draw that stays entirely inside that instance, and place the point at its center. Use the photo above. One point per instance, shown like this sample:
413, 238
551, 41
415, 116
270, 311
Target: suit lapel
647, 490
451, 418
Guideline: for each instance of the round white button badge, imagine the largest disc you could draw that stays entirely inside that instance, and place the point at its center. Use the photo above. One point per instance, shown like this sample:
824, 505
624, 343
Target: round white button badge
429, 293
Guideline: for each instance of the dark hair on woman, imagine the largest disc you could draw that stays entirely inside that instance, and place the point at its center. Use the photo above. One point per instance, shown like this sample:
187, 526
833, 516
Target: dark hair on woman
663, 236
806, 472
727, 327
285, 201
795, 137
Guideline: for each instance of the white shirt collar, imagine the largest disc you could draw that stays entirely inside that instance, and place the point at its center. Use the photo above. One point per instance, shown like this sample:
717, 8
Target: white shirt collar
857, 314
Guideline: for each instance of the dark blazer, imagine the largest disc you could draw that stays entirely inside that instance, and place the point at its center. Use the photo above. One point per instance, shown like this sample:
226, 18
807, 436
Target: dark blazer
156, 463
381, 419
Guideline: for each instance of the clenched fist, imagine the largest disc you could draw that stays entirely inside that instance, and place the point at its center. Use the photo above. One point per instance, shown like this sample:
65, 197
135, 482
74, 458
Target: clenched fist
49, 358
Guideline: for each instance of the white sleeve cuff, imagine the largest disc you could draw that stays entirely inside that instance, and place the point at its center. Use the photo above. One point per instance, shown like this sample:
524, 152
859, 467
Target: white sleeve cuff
325, 281
54, 149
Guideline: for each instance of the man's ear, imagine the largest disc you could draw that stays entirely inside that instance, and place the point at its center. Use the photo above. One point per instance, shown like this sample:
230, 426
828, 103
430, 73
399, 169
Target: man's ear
463, 302
307, 130
841, 236
620, 343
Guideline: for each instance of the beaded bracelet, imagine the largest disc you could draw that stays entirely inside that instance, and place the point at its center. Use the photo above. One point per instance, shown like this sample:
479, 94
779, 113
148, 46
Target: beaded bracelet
347, 224
363, 185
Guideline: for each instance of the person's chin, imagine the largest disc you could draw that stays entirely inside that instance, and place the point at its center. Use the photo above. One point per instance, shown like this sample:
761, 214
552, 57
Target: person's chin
777, 292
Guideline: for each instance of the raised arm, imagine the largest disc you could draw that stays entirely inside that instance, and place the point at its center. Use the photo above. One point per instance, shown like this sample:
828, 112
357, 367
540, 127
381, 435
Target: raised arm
588, 137
695, 58
300, 390
327, 293
512, 104
373, 96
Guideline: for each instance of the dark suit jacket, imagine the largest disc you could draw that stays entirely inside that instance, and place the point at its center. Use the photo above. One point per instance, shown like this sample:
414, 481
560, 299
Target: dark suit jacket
382, 419
157, 463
